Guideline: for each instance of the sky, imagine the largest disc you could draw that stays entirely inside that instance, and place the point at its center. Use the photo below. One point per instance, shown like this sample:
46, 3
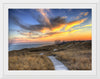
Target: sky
48, 25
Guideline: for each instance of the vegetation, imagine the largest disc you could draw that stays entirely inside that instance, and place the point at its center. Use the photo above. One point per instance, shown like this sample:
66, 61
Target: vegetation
75, 60
76, 55
30, 62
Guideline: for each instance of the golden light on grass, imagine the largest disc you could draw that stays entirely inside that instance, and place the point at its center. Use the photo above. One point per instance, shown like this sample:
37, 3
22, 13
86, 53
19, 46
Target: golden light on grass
30, 62
74, 55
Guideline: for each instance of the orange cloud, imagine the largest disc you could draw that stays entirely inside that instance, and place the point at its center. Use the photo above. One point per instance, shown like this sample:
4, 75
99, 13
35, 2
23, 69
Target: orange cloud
68, 36
54, 29
52, 36
77, 17
45, 30
86, 13
87, 25
81, 13
75, 30
73, 23
58, 28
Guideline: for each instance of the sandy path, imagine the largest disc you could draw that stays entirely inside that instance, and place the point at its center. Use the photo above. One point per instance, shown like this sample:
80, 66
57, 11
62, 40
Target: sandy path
57, 64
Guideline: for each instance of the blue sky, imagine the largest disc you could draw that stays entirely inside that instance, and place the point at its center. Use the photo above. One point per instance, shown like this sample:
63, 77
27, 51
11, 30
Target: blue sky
22, 21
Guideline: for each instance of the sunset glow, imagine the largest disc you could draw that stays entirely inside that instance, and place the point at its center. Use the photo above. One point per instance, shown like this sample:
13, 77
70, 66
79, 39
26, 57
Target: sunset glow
48, 25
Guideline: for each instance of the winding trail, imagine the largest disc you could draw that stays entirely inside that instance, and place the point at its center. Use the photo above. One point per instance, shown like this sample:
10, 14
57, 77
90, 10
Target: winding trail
57, 64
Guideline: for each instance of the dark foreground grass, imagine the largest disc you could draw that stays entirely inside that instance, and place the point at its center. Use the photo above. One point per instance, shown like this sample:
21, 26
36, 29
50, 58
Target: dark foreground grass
30, 62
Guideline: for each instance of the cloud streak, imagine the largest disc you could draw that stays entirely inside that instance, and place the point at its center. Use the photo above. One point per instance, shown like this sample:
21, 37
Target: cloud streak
81, 15
74, 23
86, 13
48, 25
89, 25
44, 17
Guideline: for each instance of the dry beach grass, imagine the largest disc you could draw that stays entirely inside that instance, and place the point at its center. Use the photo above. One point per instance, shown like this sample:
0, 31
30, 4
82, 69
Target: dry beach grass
74, 55
77, 56
75, 60
30, 62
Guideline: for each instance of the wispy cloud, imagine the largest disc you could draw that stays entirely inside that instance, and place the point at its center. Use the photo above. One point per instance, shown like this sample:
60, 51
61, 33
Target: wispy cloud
72, 31
28, 34
86, 13
74, 23
57, 24
81, 15
87, 25
49, 25
78, 17
45, 17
